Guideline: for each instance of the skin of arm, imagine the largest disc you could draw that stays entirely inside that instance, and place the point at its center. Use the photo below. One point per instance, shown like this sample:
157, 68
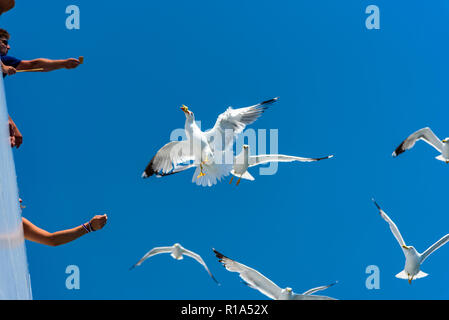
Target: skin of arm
48, 64
36, 234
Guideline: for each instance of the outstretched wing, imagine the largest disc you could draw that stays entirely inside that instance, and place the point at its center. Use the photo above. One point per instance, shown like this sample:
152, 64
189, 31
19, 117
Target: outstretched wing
232, 122
313, 290
310, 297
168, 157
265, 158
198, 258
434, 247
252, 278
151, 253
424, 134
392, 225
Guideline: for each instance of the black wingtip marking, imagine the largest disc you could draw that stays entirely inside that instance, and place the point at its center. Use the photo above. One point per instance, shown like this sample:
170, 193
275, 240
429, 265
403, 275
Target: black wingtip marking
270, 101
375, 203
399, 150
149, 170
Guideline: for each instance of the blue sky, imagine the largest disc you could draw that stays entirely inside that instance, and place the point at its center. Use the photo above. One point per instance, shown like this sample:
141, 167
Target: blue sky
344, 90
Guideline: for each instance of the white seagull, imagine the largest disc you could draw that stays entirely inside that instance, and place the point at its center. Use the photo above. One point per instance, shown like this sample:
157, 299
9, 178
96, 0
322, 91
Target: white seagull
243, 161
177, 252
413, 259
205, 149
428, 136
257, 281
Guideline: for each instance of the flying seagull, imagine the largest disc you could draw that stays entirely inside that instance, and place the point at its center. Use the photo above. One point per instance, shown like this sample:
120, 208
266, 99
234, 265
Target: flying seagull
243, 161
177, 252
257, 281
428, 136
413, 259
205, 149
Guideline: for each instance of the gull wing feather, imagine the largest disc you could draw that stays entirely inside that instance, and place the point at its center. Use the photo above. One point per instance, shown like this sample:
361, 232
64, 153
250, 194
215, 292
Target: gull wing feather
394, 229
177, 169
313, 290
198, 258
232, 122
310, 297
265, 158
151, 253
434, 247
168, 157
424, 134
252, 278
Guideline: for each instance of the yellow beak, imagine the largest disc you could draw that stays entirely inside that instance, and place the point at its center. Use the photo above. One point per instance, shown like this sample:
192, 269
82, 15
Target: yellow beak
184, 108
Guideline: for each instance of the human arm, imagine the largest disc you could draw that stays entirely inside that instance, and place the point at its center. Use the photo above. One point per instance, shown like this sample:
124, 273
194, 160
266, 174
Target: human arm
36, 234
15, 137
48, 64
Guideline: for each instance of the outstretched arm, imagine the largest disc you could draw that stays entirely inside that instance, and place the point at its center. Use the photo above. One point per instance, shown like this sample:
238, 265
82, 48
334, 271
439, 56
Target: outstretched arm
36, 234
48, 64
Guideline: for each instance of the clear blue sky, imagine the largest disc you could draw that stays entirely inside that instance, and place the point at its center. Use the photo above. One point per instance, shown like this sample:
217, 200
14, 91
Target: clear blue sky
344, 90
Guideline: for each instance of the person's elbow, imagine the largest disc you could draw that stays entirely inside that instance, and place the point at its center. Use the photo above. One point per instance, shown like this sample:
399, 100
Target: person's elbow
53, 240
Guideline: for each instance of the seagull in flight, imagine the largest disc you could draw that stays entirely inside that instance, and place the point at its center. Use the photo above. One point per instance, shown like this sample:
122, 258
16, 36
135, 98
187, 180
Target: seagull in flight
258, 281
177, 252
428, 136
243, 161
206, 149
413, 259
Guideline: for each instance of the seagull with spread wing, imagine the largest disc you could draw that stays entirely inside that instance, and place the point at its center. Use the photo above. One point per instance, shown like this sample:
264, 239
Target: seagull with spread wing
428, 136
258, 281
244, 160
206, 149
413, 259
177, 252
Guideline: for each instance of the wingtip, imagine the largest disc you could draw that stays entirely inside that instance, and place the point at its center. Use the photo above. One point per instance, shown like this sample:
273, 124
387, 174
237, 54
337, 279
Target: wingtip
375, 203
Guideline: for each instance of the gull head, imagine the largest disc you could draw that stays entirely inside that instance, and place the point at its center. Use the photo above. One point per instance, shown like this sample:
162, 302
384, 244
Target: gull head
187, 112
445, 140
410, 249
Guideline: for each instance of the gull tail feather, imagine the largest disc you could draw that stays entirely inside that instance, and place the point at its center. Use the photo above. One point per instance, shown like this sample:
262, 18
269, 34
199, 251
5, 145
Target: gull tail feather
213, 174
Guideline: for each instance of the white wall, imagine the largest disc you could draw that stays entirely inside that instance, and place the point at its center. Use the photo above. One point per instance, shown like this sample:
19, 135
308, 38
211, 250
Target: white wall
14, 275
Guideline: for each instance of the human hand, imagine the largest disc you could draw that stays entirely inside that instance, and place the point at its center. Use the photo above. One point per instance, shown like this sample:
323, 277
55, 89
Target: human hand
9, 70
6, 5
15, 137
98, 222
71, 63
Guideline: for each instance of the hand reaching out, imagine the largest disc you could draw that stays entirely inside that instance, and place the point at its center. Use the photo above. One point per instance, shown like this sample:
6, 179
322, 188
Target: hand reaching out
98, 222
71, 63
15, 137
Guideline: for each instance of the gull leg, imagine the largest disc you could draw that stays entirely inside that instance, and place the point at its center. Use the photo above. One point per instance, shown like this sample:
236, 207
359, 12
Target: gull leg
238, 181
202, 174
231, 179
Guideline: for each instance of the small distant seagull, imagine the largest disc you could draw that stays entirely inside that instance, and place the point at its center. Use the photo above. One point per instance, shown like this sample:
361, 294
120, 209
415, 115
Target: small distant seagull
257, 281
428, 136
243, 161
205, 148
177, 252
413, 259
